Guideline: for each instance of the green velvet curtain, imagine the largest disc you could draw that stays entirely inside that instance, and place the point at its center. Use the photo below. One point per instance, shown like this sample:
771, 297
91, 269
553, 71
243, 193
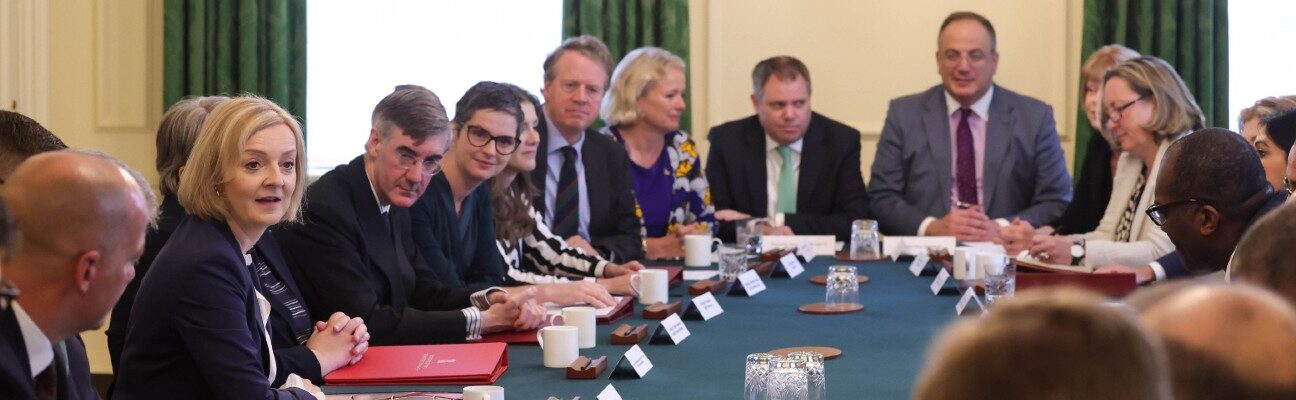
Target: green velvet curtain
625, 25
1192, 35
231, 47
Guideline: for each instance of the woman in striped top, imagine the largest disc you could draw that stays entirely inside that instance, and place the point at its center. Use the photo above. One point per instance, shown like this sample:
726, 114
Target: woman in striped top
532, 253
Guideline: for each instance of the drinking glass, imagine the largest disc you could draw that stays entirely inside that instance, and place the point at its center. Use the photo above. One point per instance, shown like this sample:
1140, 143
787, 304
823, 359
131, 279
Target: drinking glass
1000, 276
864, 239
749, 234
842, 286
733, 261
787, 380
814, 366
758, 367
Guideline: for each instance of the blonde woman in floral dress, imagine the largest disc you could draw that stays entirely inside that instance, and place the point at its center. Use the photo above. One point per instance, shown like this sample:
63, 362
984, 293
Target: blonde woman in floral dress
642, 110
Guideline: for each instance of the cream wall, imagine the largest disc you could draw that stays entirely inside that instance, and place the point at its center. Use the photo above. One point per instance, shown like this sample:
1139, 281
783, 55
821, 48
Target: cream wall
105, 64
104, 57
861, 54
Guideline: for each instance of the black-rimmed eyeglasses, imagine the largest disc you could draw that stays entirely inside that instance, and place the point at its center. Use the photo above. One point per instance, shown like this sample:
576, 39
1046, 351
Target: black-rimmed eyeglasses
1116, 113
480, 137
1157, 212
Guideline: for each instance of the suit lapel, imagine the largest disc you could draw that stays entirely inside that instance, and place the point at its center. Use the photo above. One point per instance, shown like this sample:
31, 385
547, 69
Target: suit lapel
935, 121
998, 139
754, 160
377, 238
13, 348
596, 176
816, 142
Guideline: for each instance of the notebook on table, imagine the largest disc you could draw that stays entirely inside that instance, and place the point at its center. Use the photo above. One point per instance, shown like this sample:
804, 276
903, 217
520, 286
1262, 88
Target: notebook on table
442, 364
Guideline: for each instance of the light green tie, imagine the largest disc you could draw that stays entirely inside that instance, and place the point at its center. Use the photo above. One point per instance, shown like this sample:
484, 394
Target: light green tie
786, 183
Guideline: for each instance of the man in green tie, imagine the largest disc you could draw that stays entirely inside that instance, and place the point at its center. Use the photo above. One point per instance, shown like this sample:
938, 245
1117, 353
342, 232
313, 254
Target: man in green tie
788, 163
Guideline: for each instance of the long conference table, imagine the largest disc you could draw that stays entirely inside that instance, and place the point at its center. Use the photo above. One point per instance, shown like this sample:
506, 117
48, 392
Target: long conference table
883, 346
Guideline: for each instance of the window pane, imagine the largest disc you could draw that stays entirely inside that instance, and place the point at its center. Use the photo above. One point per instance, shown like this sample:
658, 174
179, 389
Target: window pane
358, 51
1260, 64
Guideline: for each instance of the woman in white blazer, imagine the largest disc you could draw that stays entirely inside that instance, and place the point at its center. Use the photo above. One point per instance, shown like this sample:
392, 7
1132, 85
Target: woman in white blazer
1146, 106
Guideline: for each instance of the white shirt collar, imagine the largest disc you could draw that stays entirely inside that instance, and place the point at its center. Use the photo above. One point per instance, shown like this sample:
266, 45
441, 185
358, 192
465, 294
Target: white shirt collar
771, 145
981, 107
382, 209
40, 353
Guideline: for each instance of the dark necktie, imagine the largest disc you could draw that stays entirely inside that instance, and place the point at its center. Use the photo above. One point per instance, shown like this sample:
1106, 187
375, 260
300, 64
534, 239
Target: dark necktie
386, 219
567, 202
965, 173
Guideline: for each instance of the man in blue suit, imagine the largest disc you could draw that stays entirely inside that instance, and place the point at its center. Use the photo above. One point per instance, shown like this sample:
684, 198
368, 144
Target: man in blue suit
967, 157
74, 260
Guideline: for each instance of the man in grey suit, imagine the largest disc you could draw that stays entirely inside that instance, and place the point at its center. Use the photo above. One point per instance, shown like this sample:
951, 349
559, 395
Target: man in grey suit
967, 157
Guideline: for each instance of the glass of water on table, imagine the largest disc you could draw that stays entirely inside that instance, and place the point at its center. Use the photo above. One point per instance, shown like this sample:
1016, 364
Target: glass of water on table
1000, 276
733, 261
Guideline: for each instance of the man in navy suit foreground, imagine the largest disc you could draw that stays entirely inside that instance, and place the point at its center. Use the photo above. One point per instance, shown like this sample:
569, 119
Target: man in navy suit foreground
83, 218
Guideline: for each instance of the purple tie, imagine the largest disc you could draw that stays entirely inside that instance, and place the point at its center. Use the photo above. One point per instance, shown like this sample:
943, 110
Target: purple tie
965, 175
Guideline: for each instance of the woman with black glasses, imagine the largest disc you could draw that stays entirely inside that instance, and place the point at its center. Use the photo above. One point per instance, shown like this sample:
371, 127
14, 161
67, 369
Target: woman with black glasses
454, 224
1146, 106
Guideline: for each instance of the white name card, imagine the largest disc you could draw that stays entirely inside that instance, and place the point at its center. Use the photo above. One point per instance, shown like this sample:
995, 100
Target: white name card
968, 296
792, 265
919, 263
707, 306
896, 246
638, 360
939, 283
675, 328
609, 393
808, 251
822, 244
751, 282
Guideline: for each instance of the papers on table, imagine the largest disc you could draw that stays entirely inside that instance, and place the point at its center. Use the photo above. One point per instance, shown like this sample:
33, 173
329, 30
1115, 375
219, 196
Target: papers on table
823, 244
700, 274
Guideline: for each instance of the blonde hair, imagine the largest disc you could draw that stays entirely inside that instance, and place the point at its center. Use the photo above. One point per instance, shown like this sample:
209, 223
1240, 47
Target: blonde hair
1266, 107
218, 148
1060, 344
1103, 59
1176, 109
639, 71
176, 135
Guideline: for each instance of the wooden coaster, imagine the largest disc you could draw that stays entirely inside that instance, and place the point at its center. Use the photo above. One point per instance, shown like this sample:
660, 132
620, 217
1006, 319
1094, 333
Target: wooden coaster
845, 256
827, 352
821, 308
822, 280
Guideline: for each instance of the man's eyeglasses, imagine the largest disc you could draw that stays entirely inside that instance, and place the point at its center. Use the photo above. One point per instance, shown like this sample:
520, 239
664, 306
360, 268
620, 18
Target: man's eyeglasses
1289, 185
1115, 114
1158, 211
973, 57
430, 165
479, 137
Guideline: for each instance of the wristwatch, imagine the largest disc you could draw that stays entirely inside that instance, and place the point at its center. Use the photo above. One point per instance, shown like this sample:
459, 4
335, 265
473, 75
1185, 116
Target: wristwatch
1077, 252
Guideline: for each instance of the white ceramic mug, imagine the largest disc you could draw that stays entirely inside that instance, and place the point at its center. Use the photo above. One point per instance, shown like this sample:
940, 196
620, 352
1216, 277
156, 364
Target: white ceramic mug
483, 393
697, 250
582, 318
964, 257
651, 285
559, 344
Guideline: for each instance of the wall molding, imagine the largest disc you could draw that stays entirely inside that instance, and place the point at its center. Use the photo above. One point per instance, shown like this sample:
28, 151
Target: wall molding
121, 67
24, 58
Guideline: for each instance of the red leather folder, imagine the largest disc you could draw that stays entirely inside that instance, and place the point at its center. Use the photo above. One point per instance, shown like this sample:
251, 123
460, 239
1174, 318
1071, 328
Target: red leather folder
674, 275
446, 364
1111, 285
512, 337
620, 310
